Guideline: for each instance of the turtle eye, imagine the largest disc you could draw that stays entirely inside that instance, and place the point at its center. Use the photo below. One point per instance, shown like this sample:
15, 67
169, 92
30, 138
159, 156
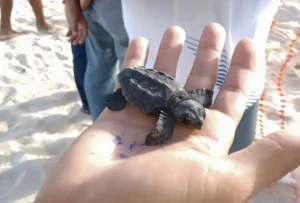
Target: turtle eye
185, 119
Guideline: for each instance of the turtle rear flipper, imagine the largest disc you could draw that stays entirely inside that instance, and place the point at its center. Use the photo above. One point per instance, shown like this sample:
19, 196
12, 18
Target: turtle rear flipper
202, 96
116, 101
163, 130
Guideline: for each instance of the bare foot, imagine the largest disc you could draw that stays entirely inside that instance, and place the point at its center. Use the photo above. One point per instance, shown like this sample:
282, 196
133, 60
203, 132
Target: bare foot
45, 28
8, 34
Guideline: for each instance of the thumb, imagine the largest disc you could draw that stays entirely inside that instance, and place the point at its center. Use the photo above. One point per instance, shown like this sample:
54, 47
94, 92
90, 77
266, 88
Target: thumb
69, 33
268, 160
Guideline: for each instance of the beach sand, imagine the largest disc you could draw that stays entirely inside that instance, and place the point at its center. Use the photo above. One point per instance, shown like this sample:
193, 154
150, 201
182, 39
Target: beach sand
40, 108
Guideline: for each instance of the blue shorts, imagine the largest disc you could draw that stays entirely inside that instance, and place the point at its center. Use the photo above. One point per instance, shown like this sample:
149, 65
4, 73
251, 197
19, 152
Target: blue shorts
246, 129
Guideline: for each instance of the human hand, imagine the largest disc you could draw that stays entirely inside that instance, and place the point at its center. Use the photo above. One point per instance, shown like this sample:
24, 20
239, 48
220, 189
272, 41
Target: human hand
78, 28
110, 163
85, 4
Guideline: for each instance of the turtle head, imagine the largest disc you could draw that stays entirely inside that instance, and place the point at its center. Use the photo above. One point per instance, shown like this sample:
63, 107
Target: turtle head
190, 113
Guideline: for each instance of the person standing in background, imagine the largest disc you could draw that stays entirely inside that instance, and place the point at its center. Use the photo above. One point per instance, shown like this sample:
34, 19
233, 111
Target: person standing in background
240, 18
102, 29
79, 67
7, 32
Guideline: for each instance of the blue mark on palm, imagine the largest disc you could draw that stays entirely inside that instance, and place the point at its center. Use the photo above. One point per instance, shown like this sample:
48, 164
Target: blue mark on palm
118, 140
131, 146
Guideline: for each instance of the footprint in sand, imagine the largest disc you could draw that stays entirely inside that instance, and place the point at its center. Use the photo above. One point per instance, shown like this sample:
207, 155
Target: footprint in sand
22, 58
42, 47
21, 20
6, 93
11, 44
4, 79
10, 117
58, 146
18, 69
61, 57
55, 123
274, 115
297, 104
8, 55
38, 55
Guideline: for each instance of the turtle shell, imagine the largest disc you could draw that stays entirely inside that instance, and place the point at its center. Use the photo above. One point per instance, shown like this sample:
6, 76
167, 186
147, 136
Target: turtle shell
147, 89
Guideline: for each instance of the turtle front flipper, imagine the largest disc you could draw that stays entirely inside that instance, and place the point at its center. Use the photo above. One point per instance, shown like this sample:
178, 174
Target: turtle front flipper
116, 101
163, 130
202, 96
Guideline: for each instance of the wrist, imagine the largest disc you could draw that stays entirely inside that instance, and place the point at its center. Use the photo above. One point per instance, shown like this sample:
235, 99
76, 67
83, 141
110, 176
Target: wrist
72, 5
71, 2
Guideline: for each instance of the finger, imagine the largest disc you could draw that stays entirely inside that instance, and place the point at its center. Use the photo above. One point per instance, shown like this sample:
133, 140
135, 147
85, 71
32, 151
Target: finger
268, 160
205, 68
169, 50
69, 33
77, 38
136, 54
72, 38
233, 95
84, 33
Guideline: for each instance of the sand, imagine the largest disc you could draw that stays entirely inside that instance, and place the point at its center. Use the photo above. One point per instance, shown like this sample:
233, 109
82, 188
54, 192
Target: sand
40, 109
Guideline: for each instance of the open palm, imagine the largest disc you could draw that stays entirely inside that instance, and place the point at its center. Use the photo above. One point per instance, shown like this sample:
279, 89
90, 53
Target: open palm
110, 163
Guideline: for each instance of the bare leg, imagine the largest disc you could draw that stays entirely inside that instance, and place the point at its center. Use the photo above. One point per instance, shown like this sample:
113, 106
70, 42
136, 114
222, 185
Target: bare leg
6, 31
41, 24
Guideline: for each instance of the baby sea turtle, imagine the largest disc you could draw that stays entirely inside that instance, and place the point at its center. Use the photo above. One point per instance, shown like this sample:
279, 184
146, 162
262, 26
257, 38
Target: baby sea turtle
160, 95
